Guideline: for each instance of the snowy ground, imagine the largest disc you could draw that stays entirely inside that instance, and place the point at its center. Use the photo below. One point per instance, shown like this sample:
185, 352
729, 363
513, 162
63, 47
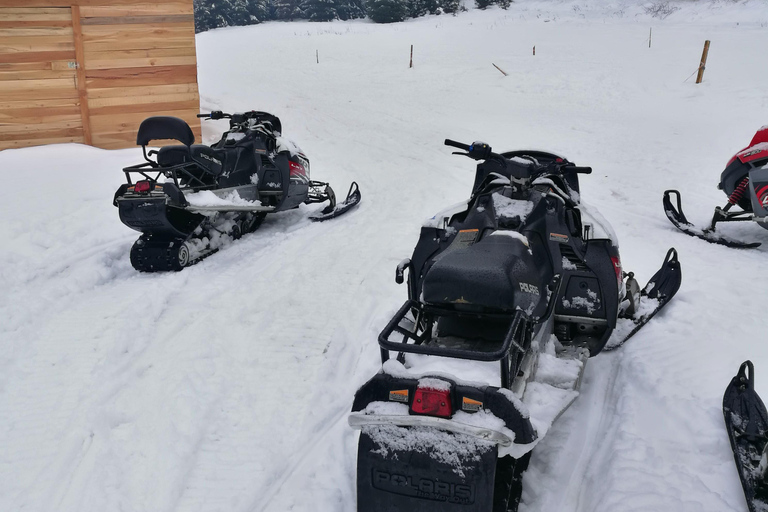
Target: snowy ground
225, 387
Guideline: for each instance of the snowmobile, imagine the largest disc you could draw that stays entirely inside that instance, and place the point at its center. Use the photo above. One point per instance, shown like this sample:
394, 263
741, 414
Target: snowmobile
746, 420
519, 286
745, 182
191, 198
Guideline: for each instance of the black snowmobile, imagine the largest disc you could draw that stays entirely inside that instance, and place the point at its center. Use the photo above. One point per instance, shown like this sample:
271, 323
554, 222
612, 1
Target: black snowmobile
745, 182
519, 286
746, 420
192, 198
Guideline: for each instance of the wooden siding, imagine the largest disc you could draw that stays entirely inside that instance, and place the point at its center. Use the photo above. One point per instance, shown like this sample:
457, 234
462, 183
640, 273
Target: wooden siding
91, 70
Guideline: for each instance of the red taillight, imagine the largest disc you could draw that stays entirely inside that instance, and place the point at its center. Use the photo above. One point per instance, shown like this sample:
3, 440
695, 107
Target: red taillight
617, 268
142, 187
434, 402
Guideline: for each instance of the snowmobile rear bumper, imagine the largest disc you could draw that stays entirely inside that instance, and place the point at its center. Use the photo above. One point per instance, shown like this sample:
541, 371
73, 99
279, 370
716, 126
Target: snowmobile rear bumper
360, 420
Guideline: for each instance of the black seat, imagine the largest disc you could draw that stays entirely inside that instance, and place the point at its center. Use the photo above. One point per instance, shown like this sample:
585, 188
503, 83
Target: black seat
492, 273
164, 127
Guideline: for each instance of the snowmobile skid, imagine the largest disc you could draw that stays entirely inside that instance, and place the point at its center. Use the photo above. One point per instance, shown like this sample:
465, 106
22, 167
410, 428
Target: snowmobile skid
518, 287
746, 420
745, 182
193, 198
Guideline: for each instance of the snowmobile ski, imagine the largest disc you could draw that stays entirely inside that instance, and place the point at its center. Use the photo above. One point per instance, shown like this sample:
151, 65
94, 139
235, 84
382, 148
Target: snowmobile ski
677, 218
746, 420
657, 293
333, 210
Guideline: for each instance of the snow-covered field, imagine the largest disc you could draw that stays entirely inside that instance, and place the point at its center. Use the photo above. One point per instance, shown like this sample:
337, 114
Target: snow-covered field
225, 387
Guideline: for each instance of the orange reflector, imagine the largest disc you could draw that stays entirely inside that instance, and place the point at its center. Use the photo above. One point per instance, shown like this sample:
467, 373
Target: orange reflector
399, 395
470, 405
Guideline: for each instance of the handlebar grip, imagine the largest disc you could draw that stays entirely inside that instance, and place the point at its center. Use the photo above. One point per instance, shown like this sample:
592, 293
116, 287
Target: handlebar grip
203, 115
459, 145
580, 170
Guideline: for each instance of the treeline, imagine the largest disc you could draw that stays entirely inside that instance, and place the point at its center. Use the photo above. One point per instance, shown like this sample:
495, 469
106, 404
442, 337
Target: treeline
226, 13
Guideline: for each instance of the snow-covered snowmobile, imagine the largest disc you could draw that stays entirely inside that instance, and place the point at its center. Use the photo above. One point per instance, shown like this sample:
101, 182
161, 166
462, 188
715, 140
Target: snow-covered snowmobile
745, 182
192, 197
519, 286
746, 420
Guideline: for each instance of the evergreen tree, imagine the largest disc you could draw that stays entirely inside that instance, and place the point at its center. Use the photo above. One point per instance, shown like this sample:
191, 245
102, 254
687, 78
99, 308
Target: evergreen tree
388, 11
350, 9
226, 13
320, 10
450, 6
288, 9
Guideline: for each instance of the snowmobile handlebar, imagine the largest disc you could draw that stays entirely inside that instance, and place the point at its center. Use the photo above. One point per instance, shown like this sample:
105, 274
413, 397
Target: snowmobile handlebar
476, 151
216, 114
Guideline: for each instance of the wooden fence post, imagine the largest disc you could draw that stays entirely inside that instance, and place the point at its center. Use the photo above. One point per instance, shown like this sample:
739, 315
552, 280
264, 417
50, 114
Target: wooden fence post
497, 67
411, 64
703, 63
534, 49
650, 35
317, 56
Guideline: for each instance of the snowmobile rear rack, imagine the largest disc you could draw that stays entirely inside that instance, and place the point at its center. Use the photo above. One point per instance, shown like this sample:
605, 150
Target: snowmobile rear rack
421, 341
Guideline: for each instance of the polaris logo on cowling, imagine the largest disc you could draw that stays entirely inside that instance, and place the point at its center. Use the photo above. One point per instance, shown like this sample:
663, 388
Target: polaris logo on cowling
529, 288
426, 488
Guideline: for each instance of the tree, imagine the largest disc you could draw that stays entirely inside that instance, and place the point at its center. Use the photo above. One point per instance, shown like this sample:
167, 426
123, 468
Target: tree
288, 9
387, 11
226, 13
320, 10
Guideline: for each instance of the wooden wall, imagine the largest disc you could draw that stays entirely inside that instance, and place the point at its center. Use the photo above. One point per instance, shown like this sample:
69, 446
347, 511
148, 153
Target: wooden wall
91, 70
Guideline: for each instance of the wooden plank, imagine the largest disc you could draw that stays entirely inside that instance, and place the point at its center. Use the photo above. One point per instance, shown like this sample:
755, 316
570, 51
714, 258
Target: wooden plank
148, 99
114, 92
139, 20
4, 11
43, 118
36, 17
91, 55
142, 43
137, 77
15, 144
21, 24
17, 31
189, 60
17, 115
35, 44
36, 74
33, 86
137, 9
18, 57
69, 3
37, 103
22, 132
130, 122
81, 83
39, 94
147, 108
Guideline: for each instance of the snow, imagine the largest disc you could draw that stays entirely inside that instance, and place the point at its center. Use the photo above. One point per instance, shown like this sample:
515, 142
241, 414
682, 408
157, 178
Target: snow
208, 198
510, 208
226, 386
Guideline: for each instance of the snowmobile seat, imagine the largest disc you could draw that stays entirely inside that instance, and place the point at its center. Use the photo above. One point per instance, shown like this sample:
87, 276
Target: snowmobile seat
164, 127
498, 273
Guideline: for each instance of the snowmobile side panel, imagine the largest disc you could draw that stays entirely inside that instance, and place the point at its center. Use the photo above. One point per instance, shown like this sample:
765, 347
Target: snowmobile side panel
746, 421
758, 185
677, 218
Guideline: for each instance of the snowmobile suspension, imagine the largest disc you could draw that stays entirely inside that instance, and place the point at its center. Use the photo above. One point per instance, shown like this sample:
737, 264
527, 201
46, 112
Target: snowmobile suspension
737, 194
